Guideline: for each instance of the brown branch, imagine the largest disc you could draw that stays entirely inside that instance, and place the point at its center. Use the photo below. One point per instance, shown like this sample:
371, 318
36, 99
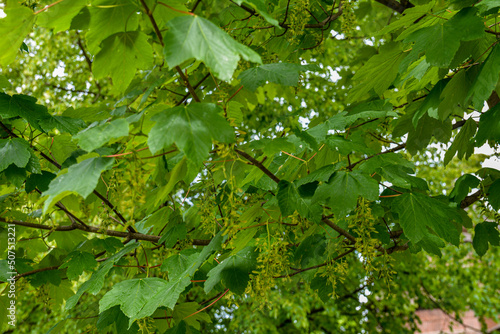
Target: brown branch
32, 272
320, 25
258, 165
149, 13
72, 90
396, 6
339, 229
187, 84
92, 229
195, 87
471, 199
95, 192
88, 61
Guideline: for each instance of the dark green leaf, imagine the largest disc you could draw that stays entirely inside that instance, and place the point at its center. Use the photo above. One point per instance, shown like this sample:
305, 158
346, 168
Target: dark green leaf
234, 272
494, 195
489, 126
77, 262
418, 212
463, 185
485, 232
342, 192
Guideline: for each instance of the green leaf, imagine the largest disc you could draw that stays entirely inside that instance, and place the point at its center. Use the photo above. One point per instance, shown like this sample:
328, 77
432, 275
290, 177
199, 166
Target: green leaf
418, 212
323, 174
410, 16
14, 151
132, 295
463, 185
168, 294
77, 262
192, 128
188, 312
191, 36
489, 126
453, 97
342, 192
290, 200
280, 73
176, 230
13, 29
176, 265
494, 195
80, 179
63, 124
378, 73
462, 143
4, 83
440, 42
108, 17
233, 272
260, 7
96, 281
23, 106
485, 232
487, 5
122, 54
115, 316
59, 17
431, 102
95, 137
432, 244
486, 80
177, 174
346, 146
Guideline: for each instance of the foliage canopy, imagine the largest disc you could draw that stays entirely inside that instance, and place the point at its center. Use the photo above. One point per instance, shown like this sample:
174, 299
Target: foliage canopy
159, 156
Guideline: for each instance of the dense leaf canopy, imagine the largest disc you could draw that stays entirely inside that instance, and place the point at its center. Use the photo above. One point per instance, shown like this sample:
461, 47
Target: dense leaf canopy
247, 166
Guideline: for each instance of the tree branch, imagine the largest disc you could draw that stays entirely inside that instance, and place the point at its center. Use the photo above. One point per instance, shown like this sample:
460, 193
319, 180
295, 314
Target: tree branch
258, 165
339, 229
396, 6
95, 192
92, 229
319, 25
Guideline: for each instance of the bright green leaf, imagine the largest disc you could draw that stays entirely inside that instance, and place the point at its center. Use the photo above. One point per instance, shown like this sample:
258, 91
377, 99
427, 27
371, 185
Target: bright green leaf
13, 30
78, 262
96, 281
94, 137
80, 179
192, 128
120, 57
195, 37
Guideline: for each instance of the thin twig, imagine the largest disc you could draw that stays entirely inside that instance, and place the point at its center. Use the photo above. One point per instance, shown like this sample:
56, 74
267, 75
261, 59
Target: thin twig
258, 165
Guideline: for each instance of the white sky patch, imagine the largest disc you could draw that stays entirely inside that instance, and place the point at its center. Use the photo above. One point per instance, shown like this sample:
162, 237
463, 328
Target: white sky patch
304, 122
59, 70
2, 13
